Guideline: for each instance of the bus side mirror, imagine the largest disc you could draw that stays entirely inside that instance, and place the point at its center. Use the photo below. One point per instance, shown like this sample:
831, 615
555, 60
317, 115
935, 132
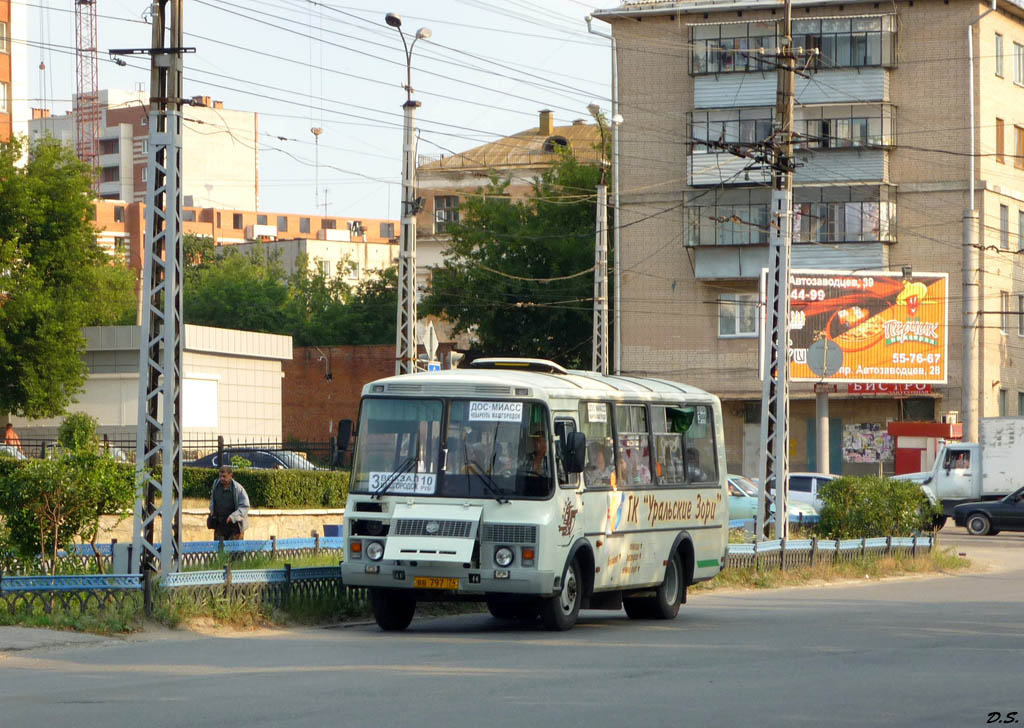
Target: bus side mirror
576, 452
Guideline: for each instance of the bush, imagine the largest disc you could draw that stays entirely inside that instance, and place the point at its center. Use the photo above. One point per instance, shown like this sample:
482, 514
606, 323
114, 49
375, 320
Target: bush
78, 432
276, 488
872, 506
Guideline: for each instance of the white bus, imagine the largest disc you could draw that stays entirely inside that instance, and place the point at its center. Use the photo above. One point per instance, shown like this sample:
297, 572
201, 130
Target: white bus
537, 490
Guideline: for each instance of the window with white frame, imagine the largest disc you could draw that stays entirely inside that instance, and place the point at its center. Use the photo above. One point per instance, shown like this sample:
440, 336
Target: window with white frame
737, 315
999, 54
3, 37
446, 212
1004, 227
5, 92
1005, 312
1018, 63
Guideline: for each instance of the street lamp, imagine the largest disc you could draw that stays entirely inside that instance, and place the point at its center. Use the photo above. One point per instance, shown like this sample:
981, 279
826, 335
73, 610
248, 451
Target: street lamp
405, 336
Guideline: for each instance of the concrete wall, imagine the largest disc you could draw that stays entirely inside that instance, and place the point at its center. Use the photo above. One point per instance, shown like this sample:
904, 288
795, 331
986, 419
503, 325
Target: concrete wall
231, 384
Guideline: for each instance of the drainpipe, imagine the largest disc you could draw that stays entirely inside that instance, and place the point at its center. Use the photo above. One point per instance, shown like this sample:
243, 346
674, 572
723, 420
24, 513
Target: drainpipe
971, 263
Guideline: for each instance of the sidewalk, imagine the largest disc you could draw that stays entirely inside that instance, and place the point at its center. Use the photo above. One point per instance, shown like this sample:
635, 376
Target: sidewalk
18, 639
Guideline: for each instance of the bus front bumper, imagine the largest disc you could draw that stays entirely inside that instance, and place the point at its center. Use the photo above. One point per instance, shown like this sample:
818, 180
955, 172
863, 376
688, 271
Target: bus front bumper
446, 578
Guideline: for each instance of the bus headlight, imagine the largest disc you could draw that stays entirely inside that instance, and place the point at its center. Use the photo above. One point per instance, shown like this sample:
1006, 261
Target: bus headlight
375, 551
503, 556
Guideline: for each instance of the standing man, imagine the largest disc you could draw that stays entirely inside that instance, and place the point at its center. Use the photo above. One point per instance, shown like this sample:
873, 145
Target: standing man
229, 507
11, 438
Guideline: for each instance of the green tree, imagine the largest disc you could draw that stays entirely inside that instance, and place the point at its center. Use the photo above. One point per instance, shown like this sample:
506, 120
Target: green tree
236, 291
512, 274
54, 279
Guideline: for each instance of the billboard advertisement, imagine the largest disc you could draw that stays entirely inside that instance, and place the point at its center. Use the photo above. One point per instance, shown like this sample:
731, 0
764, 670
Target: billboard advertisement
868, 326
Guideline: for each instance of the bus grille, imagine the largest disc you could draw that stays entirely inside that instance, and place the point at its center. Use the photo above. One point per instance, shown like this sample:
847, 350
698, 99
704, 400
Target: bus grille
418, 527
510, 533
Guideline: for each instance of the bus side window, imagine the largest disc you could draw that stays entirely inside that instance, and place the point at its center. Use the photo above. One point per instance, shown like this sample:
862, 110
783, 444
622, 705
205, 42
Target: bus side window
668, 447
563, 428
596, 425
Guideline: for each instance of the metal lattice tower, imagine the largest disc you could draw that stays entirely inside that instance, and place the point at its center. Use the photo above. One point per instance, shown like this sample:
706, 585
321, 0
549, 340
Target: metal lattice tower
156, 537
774, 460
600, 353
87, 137
405, 336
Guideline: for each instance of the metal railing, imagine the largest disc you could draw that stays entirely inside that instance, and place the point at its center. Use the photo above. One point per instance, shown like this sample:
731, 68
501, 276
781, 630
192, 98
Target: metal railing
782, 554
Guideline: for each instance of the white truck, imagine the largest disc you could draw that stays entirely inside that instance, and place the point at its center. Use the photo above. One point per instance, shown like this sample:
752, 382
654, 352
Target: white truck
969, 471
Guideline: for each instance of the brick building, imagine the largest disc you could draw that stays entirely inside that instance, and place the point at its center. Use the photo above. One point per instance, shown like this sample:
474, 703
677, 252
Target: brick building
884, 162
13, 69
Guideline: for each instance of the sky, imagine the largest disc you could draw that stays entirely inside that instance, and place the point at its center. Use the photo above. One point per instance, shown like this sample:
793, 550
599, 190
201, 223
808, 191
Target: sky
488, 69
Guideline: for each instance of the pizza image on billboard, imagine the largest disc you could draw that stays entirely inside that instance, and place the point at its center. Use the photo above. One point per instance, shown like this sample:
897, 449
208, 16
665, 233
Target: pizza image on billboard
868, 326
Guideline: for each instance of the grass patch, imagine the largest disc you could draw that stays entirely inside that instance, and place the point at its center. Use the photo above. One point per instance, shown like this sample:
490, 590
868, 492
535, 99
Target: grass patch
869, 566
112, 619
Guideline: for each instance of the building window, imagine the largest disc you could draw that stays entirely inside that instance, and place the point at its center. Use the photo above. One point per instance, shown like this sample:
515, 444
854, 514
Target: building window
1005, 312
1018, 147
1002, 402
119, 213
261, 219
282, 223
387, 230
144, 146
111, 174
145, 174
188, 215
1004, 227
1018, 63
446, 212
999, 141
328, 224
218, 219
304, 225
109, 146
1020, 403
5, 92
1020, 316
3, 37
999, 55
1020, 230
737, 315
236, 220
843, 42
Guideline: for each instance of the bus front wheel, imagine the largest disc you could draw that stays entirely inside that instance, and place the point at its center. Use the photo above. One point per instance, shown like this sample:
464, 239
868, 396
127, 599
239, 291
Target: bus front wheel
559, 613
392, 609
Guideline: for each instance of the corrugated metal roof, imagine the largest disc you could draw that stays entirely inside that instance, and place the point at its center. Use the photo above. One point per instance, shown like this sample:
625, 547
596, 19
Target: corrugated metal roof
525, 149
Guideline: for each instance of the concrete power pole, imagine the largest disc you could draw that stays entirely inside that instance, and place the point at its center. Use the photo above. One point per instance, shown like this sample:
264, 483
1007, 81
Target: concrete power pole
156, 535
774, 459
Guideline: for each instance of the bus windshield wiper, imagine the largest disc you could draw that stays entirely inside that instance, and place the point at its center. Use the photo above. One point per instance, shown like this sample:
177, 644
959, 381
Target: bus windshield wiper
488, 482
406, 466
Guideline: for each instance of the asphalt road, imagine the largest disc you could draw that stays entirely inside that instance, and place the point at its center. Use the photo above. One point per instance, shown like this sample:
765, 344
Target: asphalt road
921, 651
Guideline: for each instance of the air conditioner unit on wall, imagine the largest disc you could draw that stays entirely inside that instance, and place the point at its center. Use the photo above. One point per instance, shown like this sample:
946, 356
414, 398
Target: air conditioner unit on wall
951, 418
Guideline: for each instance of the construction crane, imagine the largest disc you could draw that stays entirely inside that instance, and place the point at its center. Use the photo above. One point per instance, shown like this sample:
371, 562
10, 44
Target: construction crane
87, 137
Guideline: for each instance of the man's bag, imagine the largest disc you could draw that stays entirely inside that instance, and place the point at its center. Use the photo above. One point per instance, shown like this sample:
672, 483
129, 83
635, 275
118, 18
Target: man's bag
211, 522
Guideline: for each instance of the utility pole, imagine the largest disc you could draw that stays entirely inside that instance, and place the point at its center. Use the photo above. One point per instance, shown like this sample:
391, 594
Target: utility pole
156, 534
774, 459
600, 355
405, 336
87, 118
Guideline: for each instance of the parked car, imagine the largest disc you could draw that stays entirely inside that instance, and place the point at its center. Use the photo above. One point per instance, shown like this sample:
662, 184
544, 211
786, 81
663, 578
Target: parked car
12, 452
987, 518
743, 502
259, 458
803, 487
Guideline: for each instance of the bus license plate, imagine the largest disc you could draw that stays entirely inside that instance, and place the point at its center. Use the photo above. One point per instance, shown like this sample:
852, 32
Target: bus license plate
435, 582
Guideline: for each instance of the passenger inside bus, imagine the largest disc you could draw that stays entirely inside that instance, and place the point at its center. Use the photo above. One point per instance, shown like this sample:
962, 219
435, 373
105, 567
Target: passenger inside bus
599, 469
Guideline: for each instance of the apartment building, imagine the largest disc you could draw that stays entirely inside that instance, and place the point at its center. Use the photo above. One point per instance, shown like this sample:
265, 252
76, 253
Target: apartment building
220, 149
13, 70
884, 160
366, 243
445, 181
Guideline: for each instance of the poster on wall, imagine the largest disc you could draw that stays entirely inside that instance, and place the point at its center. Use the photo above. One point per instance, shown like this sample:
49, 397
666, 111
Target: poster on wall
866, 443
870, 326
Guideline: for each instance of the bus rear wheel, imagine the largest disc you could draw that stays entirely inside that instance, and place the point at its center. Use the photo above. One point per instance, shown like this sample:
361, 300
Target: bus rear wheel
392, 609
559, 613
667, 598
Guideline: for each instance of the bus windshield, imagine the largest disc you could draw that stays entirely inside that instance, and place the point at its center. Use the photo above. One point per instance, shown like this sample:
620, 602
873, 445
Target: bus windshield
485, 449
